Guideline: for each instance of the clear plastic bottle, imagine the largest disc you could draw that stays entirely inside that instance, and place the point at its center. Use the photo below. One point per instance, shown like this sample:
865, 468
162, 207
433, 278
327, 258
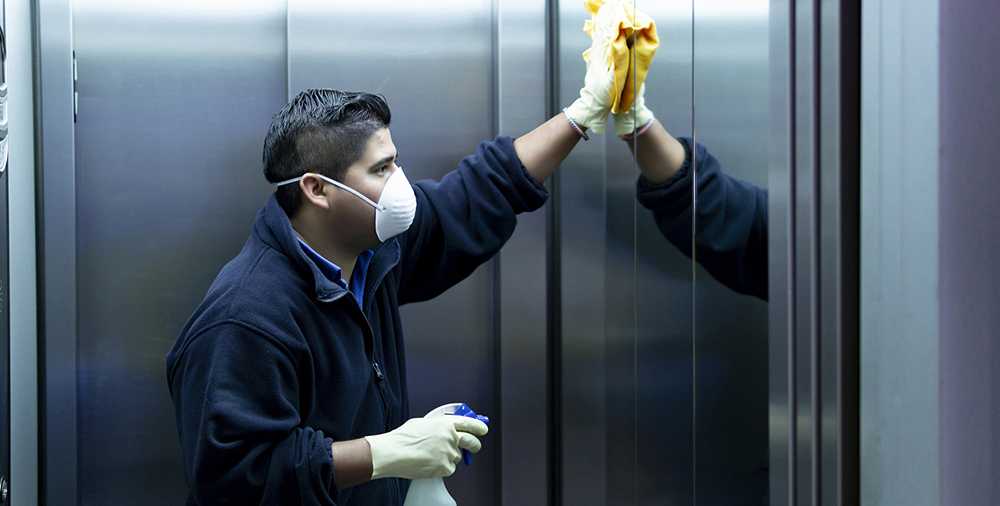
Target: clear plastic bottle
431, 491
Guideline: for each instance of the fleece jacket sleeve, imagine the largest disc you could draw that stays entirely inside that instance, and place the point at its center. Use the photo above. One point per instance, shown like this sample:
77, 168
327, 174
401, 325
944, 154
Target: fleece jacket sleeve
236, 398
731, 220
465, 219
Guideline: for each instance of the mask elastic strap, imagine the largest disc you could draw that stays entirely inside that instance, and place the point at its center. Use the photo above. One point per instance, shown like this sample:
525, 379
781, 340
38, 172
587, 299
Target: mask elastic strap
339, 184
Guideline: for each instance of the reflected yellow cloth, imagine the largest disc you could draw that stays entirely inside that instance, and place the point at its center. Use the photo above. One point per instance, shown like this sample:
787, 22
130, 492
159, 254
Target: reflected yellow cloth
620, 20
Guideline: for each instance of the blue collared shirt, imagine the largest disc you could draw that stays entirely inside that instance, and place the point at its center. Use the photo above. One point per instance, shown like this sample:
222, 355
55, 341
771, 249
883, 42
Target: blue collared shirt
333, 272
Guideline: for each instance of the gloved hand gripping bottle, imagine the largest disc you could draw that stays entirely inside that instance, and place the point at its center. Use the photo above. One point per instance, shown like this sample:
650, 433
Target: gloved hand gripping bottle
431, 491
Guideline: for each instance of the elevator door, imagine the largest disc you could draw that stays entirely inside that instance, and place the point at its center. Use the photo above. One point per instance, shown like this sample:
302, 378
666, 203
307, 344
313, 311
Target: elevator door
174, 100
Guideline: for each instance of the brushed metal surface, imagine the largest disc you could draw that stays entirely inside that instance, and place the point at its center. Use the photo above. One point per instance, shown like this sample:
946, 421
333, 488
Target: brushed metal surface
521, 90
664, 315
903, 419
781, 271
58, 298
805, 255
582, 230
731, 114
24, 363
174, 102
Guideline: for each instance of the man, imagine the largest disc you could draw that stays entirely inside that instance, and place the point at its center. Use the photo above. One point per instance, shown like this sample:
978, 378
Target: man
289, 380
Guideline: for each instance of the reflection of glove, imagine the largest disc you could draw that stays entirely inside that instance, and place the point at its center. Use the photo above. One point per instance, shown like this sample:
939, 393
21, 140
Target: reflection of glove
602, 84
424, 447
640, 34
636, 117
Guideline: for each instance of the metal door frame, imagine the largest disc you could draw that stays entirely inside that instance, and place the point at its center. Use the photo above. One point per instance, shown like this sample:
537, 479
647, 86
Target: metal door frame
814, 252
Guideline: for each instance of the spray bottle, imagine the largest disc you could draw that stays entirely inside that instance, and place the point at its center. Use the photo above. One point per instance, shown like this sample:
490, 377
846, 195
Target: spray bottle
431, 491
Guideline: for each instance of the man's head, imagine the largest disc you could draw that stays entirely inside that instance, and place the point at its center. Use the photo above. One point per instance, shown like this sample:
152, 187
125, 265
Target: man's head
321, 131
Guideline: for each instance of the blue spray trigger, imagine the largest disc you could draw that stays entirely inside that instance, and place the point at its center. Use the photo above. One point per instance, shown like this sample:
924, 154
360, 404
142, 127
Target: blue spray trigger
463, 410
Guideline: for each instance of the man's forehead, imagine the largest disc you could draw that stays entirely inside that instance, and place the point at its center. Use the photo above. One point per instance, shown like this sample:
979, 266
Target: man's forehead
380, 146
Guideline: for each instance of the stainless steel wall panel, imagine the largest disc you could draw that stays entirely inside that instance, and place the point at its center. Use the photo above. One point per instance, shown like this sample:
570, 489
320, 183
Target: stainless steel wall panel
582, 231
620, 344
969, 237
58, 294
520, 26
627, 428
434, 64
901, 442
731, 44
663, 288
174, 102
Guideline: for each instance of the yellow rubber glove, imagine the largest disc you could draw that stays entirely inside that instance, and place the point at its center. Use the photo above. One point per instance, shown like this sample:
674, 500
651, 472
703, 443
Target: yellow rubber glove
424, 447
607, 67
635, 117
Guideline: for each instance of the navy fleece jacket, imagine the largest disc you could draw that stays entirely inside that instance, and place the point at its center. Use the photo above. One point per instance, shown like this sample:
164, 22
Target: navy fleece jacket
278, 362
731, 220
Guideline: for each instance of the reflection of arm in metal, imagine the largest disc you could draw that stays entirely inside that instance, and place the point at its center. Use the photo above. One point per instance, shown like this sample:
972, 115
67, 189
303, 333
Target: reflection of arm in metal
731, 213
658, 154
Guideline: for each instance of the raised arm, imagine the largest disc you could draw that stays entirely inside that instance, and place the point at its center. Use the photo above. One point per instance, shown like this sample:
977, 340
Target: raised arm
544, 148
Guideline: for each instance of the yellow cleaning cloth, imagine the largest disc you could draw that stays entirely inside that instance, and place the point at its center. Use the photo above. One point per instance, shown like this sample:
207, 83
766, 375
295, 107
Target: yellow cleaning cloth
620, 20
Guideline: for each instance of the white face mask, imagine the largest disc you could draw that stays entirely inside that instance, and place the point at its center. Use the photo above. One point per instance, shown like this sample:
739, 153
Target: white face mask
396, 207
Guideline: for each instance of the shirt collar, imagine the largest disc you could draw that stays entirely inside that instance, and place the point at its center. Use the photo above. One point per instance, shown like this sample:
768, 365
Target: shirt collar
329, 269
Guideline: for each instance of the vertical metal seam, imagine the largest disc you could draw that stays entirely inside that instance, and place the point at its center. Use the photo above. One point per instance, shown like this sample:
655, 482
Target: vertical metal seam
792, 349
815, 312
288, 51
36, 69
76, 264
694, 273
635, 290
497, 293
554, 272
496, 84
848, 251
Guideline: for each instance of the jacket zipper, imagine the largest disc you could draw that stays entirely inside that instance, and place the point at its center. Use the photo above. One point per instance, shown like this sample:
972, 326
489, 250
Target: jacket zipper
379, 380
379, 376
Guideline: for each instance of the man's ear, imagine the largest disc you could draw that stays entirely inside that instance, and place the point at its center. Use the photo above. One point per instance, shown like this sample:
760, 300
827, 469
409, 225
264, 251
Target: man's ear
314, 190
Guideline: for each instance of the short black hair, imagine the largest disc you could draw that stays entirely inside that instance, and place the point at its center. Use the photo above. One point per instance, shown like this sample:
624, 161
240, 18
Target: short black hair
322, 131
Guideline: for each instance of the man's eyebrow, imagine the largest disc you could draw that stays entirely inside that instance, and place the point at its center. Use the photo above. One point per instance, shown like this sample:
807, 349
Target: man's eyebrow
382, 162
